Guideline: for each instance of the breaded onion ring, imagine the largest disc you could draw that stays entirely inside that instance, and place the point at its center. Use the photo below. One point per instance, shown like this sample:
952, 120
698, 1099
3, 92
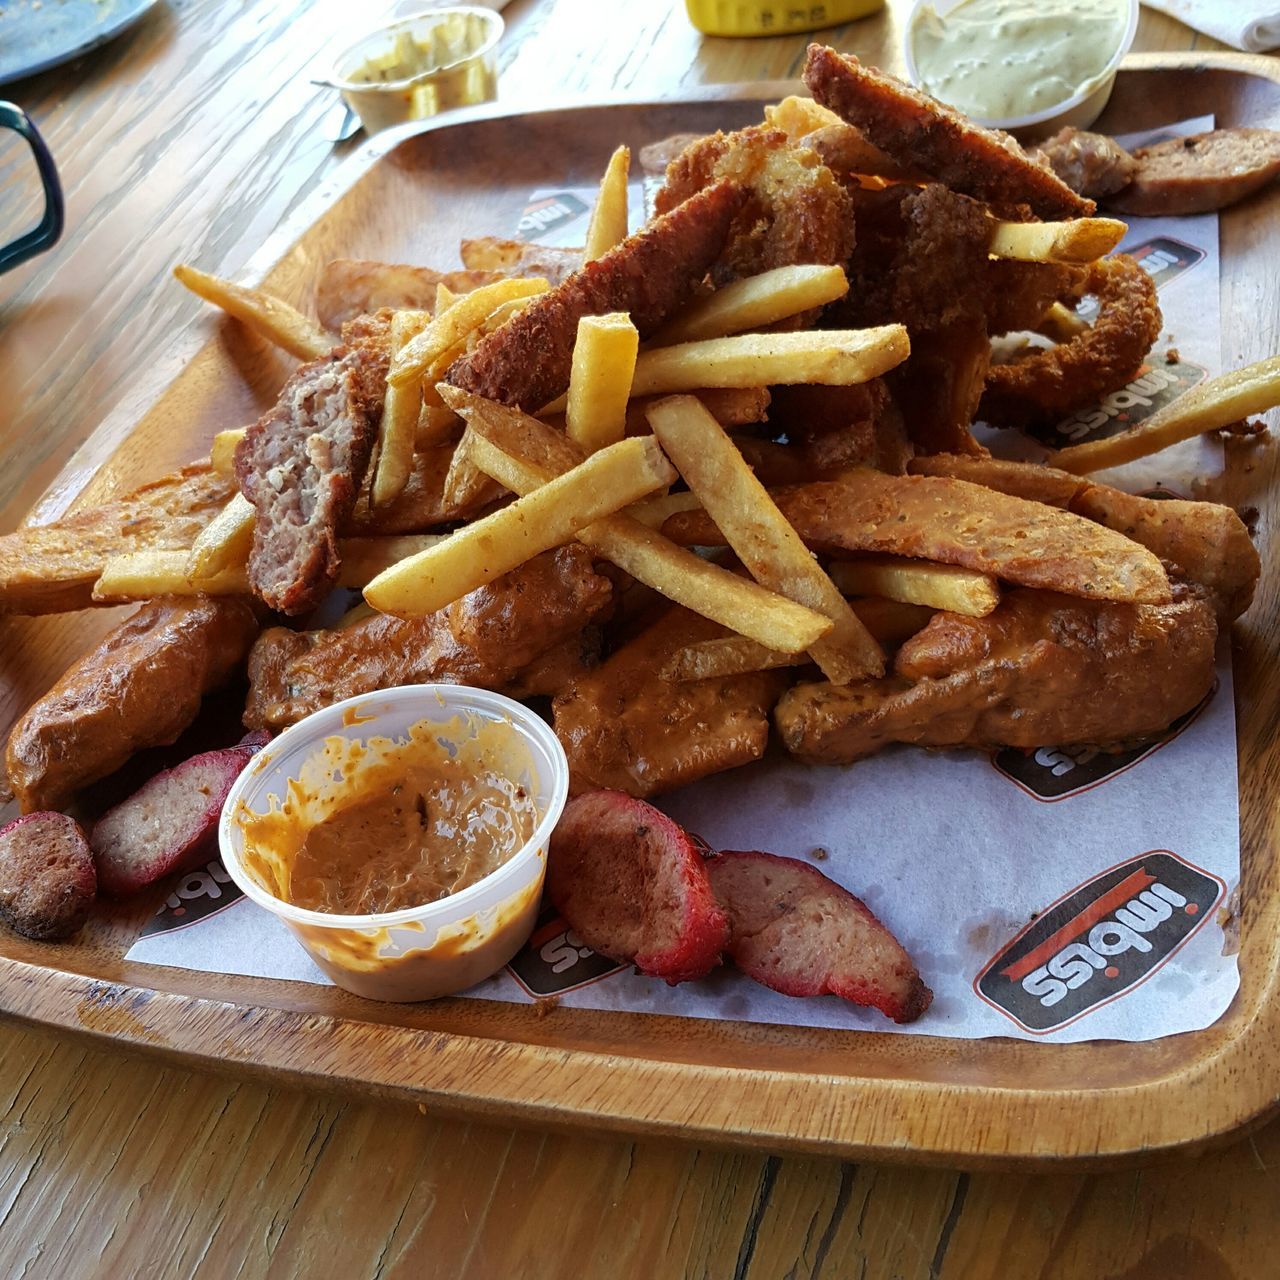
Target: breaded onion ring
1049, 385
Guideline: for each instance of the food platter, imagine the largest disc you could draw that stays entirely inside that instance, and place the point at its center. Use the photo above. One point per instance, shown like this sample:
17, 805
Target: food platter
409, 196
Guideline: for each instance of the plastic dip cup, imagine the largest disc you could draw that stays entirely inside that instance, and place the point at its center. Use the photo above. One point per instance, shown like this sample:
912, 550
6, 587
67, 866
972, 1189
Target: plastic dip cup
420, 66
418, 952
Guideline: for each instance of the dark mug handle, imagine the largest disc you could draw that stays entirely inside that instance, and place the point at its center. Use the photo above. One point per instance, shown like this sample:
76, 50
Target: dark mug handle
46, 234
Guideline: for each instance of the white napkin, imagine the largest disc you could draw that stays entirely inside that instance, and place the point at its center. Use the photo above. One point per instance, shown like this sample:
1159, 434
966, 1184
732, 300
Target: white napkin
1251, 25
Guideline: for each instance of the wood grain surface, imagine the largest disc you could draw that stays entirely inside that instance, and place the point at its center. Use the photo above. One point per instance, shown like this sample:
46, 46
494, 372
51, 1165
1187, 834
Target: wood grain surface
192, 137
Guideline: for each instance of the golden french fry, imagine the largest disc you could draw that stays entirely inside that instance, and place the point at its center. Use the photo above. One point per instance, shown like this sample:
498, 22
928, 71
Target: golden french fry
142, 575
654, 512
1080, 240
223, 543
940, 586
398, 429
1060, 323
269, 317
758, 532
465, 485
608, 225
1213, 404
754, 303
435, 425
837, 357
550, 516
222, 453
445, 297
604, 360
450, 329
658, 563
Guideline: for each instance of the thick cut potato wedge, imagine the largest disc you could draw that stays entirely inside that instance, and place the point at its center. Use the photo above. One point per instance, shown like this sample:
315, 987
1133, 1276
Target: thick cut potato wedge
268, 317
939, 586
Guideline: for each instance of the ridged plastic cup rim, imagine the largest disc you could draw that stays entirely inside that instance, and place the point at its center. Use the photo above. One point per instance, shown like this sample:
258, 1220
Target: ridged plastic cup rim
314, 728
1105, 78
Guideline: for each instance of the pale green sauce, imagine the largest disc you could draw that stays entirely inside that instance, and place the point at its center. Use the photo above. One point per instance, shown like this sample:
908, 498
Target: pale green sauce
997, 59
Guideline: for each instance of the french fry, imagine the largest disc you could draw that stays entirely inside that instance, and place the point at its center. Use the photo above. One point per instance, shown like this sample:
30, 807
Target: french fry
448, 330
654, 512
141, 575
889, 621
223, 543
222, 452
1080, 240
479, 552
755, 302
464, 483
1213, 404
608, 225
604, 361
729, 406
1060, 323
940, 586
268, 317
836, 357
398, 429
435, 425
758, 532
522, 453
445, 298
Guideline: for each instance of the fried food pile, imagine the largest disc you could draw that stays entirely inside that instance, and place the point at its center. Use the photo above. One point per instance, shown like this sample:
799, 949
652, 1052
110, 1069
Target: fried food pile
709, 484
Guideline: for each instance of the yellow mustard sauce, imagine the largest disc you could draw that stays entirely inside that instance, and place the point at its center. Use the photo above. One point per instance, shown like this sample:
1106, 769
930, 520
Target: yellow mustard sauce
1000, 59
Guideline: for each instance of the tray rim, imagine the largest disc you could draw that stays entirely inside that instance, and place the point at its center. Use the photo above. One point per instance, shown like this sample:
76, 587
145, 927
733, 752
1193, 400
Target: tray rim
858, 1117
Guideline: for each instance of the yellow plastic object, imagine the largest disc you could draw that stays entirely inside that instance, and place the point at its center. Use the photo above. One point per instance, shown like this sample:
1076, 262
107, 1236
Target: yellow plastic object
774, 17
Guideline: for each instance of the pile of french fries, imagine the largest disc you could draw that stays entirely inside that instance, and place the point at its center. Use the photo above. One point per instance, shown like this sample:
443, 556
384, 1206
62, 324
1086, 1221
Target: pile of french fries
642, 432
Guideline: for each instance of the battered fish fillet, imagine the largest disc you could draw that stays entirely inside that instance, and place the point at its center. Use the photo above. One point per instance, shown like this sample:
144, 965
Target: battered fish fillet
484, 639
953, 522
1203, 543
651, 275
1047, 385
51, 568
624, 729
1042, 670
797, 211
141, 687
922, 133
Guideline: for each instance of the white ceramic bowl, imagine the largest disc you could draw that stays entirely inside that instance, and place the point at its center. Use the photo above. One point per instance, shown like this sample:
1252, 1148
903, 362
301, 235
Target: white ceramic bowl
1080, 110
442, 947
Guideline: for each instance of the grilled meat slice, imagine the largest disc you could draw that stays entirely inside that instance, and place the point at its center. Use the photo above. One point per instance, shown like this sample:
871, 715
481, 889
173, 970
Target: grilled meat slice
1043, 669
919, 132
1091, 164
51, 568
141, 687
487, 638
650, 274
625, 729
301, 466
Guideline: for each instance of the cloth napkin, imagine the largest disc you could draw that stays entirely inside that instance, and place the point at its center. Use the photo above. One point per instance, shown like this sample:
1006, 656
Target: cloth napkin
1251, 25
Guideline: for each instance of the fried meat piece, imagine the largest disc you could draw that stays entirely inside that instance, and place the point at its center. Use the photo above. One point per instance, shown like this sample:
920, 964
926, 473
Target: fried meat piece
633, 886
141, 687
1041, 670
301, 466
799, 932
1047, 385
1017, 294
835, 428
954, 522
920, 132
651, 274
47, 879
51, 568
1202, 543
1091, 164
351, 287
625, 729
484, 639
797, 211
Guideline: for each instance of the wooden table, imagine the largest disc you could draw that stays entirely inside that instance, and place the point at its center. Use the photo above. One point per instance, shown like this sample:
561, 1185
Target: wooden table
191, 137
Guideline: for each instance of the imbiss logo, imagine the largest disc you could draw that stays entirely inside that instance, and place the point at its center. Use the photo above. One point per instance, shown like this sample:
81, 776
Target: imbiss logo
194, 897
556, 960
1099, 941
1054, 773
544, 215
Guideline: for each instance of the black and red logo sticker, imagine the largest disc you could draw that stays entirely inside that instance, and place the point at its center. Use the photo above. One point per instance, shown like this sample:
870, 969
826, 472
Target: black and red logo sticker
556, 960
1099, 941
194, 897
1163, 258
1055, 773
544, 215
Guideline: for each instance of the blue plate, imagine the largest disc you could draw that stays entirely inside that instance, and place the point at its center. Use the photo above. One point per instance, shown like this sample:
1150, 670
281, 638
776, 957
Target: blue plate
38, 34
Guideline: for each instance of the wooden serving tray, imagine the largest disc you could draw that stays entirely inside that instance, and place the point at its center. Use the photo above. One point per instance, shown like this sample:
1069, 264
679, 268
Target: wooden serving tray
409, 197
